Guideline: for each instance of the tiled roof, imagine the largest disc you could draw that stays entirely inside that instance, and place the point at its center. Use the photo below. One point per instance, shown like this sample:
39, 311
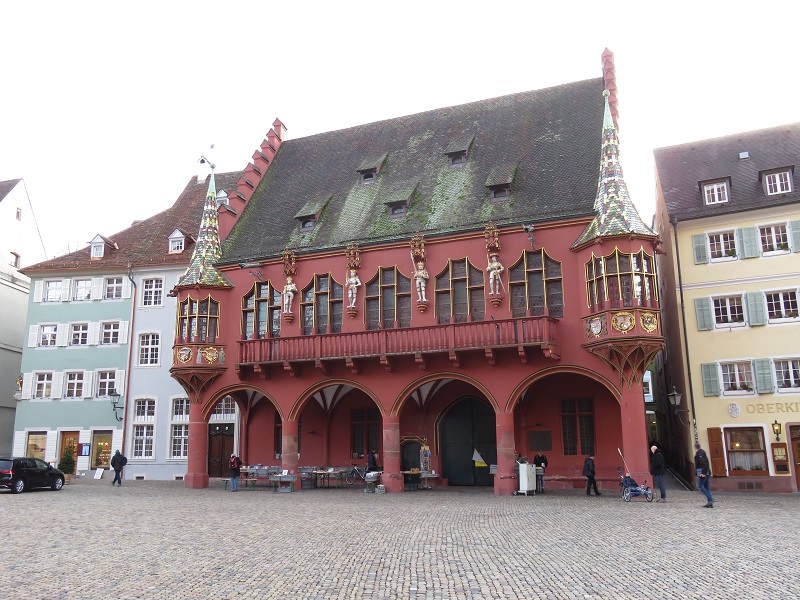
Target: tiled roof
553, 135
7, 186
680, 169
616, 214
146, 242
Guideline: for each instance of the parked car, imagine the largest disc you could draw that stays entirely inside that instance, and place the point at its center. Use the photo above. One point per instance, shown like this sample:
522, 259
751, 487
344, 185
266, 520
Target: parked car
20, 474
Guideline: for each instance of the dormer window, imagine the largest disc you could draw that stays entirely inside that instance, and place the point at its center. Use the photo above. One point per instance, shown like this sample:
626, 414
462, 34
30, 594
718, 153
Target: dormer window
715, 192
222, 198
458, 159
307, 224
368, 176
398, 209
176, 245
501, 192
98, 249
777, 182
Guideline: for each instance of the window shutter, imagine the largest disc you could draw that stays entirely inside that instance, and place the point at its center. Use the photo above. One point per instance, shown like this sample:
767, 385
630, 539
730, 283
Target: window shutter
97, 288
94, 334
27, 386
794, 231
756, 311
19, 444
716, 451
748, 242
33, 335
66, 286
57, 388
88, 384
710, 379
702, 308
123, 332
62, 334
119, 382
700, 249
764, 383
126, 287
38, 290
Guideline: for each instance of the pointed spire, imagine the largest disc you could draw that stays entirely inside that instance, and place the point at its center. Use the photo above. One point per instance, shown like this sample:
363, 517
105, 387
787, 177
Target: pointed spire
616, 214
207, 250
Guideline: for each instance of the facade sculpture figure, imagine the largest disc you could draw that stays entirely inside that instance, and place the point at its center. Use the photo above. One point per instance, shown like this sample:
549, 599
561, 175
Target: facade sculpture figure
494, 269
421, 281
288, 295
352, 282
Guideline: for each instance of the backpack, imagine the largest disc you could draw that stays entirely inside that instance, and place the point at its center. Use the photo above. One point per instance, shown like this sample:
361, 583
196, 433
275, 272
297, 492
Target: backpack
233, 463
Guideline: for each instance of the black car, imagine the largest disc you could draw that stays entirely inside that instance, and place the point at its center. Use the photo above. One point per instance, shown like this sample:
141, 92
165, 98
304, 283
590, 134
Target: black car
20, 474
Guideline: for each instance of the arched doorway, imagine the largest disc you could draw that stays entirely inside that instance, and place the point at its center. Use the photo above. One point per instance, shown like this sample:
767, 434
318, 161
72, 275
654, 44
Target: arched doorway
466, 426
221, 436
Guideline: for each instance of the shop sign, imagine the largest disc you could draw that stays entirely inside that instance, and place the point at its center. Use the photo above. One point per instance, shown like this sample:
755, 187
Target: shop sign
758, 408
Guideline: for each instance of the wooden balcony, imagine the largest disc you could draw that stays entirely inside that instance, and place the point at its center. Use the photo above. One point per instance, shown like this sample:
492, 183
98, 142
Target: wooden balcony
485, 336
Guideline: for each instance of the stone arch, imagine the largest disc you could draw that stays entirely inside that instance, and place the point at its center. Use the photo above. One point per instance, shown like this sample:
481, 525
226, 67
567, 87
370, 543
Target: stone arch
523, 385
231, 390
306, 395
407, 391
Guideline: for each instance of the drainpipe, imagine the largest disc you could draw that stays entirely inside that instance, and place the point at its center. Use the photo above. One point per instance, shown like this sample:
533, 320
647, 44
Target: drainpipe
674, 222
130, 355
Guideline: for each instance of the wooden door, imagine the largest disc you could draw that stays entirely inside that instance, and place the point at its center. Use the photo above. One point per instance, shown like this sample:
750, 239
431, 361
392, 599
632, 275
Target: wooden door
796, 458
69, 439
220, 447
716, 451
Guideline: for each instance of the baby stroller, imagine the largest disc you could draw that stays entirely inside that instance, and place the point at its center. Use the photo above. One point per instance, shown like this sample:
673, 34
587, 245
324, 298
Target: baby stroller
631, 489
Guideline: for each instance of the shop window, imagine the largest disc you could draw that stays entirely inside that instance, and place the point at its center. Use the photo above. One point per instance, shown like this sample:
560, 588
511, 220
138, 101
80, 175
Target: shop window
388, 300
198, 320
577, 426
366, 431
37, 442
261, 312
322, 306
459, 293
621, 280
101, 449
780, 456
535, 286
746, 453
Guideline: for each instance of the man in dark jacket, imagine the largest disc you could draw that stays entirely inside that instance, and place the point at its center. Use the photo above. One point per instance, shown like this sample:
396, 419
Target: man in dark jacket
235, 465
703, 475
540, 460
372, 461
117, 462
658, 467
588, 472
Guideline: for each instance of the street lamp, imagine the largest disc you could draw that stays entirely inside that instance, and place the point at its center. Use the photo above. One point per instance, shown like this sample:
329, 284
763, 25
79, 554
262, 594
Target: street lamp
776, 429
116, 403
675, 400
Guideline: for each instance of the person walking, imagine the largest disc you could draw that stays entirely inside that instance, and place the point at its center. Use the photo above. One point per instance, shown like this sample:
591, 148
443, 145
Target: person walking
372, 461
588, 472
118, 461
235, 465
540, 461
703, 474
658, 467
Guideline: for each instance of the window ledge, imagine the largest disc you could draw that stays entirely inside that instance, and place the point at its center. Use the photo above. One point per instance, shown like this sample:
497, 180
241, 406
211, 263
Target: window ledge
731, 325
739, 393
724, 259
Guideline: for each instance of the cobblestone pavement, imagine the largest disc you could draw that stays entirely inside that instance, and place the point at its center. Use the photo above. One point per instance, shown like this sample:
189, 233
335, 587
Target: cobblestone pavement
159, 540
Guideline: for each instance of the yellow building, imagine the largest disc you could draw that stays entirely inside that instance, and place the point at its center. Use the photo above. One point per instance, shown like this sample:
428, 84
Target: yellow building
728, 212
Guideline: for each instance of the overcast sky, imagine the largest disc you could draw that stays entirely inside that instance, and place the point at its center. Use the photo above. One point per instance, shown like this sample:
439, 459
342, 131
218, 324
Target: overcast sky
106, 108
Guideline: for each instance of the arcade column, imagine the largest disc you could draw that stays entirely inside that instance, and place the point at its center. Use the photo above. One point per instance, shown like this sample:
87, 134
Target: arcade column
391, 477
197, 464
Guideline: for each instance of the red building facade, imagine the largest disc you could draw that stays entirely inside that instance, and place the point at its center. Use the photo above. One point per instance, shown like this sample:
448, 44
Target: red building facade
458, 279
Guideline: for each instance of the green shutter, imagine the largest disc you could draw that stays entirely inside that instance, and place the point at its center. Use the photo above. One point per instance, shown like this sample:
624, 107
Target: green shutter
748, 241
756, 311
764, 383
710, 379
702, 309
700, 249
794, 229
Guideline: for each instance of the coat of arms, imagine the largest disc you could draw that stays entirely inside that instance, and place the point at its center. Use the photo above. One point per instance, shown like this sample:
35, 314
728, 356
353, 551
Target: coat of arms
623, 321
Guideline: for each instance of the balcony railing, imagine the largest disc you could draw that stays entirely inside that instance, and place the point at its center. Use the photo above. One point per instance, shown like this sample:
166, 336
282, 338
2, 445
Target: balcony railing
506, 333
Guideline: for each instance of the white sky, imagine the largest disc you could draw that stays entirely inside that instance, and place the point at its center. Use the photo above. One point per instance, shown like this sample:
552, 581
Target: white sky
106, 108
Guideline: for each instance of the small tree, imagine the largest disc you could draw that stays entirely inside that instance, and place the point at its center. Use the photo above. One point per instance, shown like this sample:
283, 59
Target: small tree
67, 464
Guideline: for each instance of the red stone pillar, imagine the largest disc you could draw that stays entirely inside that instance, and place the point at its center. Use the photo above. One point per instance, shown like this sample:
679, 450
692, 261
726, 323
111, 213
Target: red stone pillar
506, 480
391, 478
634, 434
197, 465
289, 455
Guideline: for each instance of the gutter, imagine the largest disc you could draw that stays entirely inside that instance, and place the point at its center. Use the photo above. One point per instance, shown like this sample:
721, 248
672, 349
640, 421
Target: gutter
129, 274
674, 222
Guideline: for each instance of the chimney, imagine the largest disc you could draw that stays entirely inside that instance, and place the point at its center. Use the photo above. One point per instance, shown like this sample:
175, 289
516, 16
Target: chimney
610, 83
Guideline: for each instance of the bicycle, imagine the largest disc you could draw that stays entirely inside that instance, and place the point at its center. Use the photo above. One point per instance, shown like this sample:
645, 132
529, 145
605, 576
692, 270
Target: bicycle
355, 474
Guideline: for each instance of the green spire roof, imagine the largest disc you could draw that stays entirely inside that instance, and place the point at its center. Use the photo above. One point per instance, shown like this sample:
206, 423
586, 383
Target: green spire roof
207, 251
616, 214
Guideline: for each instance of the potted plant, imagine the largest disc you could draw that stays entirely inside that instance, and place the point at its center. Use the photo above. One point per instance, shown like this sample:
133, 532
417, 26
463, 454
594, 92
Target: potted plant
67, 464
730, 252
783, 246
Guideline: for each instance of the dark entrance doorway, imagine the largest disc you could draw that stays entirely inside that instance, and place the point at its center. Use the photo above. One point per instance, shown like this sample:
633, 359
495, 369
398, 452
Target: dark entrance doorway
220, 447
468, 425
